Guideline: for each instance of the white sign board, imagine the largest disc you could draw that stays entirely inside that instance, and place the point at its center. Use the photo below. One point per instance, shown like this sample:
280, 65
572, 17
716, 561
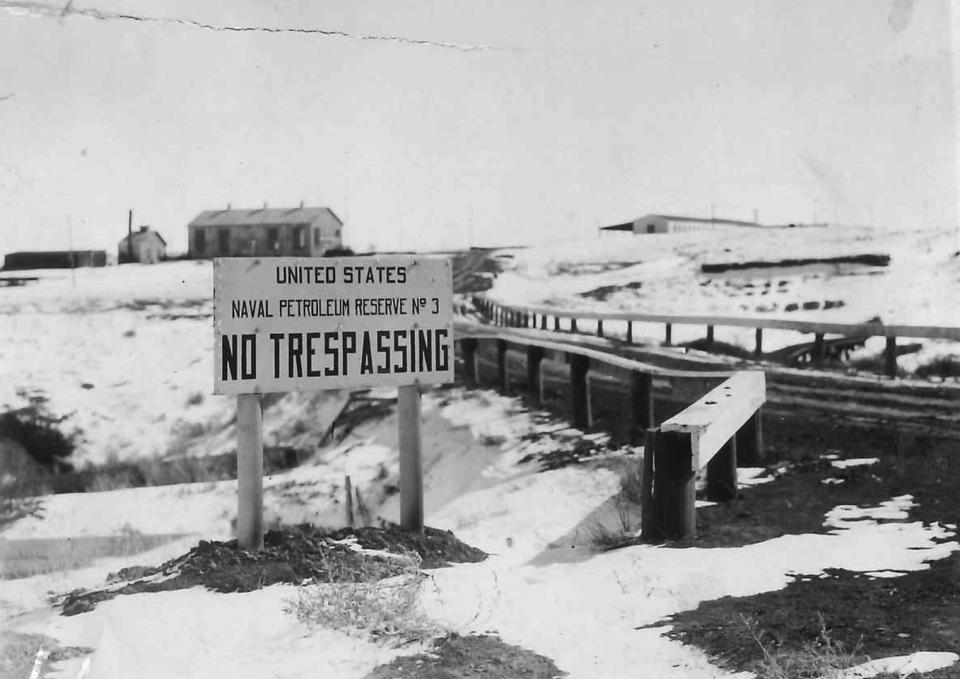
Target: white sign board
287, 323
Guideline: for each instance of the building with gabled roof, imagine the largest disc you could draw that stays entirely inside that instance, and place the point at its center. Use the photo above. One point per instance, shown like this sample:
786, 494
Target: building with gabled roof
658, 223
265, 232
145, 246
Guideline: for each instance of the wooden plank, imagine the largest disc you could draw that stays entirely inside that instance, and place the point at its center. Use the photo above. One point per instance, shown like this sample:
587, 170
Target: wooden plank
807, 327
715, 418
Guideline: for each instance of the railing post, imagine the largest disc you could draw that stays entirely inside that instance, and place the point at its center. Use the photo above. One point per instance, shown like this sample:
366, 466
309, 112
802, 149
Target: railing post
649, 523
573, 325
629, 332
758, 348
818, 348
502, 377
709, 337
599, 327
722, 473
468, 346
668, 339
534, 357
556, 324
674, 487
890, 357
579, 365
750, 441
543, 321
641, 403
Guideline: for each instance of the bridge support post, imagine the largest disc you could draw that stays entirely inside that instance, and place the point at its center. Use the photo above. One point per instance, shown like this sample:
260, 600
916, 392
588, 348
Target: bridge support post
758, 347
674, 488
556, 324
750, 441
649, 524
668, 339
722, 473
543, 321
503, 380
573, 325
819, 350
641, 404
469, 348
709, 337
890, 357
579, 365
534, 386
629, 332
599, 327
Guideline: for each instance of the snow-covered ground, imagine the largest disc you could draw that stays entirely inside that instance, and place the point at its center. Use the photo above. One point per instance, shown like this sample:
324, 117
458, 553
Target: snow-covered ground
661, 274
543, 588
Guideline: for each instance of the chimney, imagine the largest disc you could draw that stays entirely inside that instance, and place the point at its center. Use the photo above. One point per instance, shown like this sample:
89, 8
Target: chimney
130, 235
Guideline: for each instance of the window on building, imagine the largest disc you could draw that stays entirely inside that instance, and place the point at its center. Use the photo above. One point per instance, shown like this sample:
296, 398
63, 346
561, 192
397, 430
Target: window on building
223, 236
199, 241
273, 239
299, 237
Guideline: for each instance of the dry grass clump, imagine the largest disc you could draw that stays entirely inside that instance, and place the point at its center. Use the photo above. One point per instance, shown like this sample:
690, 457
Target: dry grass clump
383, 609
824, 657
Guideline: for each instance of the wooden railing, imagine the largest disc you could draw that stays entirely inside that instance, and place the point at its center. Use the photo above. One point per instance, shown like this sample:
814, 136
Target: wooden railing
707, 433
547, 318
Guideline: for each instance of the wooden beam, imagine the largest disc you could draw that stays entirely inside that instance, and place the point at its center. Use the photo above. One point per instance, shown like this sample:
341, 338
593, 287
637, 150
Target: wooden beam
629, 332
890, 357
503, 379
758, 345
717, 416
668, 335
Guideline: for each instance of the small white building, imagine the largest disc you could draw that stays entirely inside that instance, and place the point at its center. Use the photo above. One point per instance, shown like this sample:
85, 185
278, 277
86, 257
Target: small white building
145, 246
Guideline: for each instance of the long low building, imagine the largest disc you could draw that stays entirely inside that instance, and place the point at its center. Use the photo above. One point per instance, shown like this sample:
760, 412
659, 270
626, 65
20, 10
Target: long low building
657, 223
53, 259
265, 232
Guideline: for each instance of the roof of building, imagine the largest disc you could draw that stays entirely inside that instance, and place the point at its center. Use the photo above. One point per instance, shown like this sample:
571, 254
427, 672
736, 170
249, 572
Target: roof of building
144, 231
628, 226
278, 216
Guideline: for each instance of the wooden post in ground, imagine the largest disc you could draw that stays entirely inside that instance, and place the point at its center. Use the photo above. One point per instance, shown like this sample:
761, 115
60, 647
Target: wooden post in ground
818, 349
758, 347
543, 321
890, 357
722, 473
750, 441
534, 357
468, 346
629, 332
556, 324
709, 337
579, 365
668, 339
600, 327
674, 489
573, 325
641, 404
249, 472
348, 491
503, 379
649, 524
411, 466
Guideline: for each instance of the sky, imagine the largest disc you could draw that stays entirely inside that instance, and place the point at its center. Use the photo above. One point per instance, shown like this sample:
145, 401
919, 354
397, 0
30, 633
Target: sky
432, 124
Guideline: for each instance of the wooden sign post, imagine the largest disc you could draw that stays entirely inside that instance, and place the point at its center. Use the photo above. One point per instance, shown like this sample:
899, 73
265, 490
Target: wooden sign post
297, 324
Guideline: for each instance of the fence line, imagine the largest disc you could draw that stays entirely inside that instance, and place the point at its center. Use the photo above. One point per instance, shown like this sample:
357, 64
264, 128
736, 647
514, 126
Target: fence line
528, 316
707, 433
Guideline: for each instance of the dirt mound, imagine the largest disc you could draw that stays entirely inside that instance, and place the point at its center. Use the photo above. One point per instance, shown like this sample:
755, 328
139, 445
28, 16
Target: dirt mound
437, 548
291, 555
480, 656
